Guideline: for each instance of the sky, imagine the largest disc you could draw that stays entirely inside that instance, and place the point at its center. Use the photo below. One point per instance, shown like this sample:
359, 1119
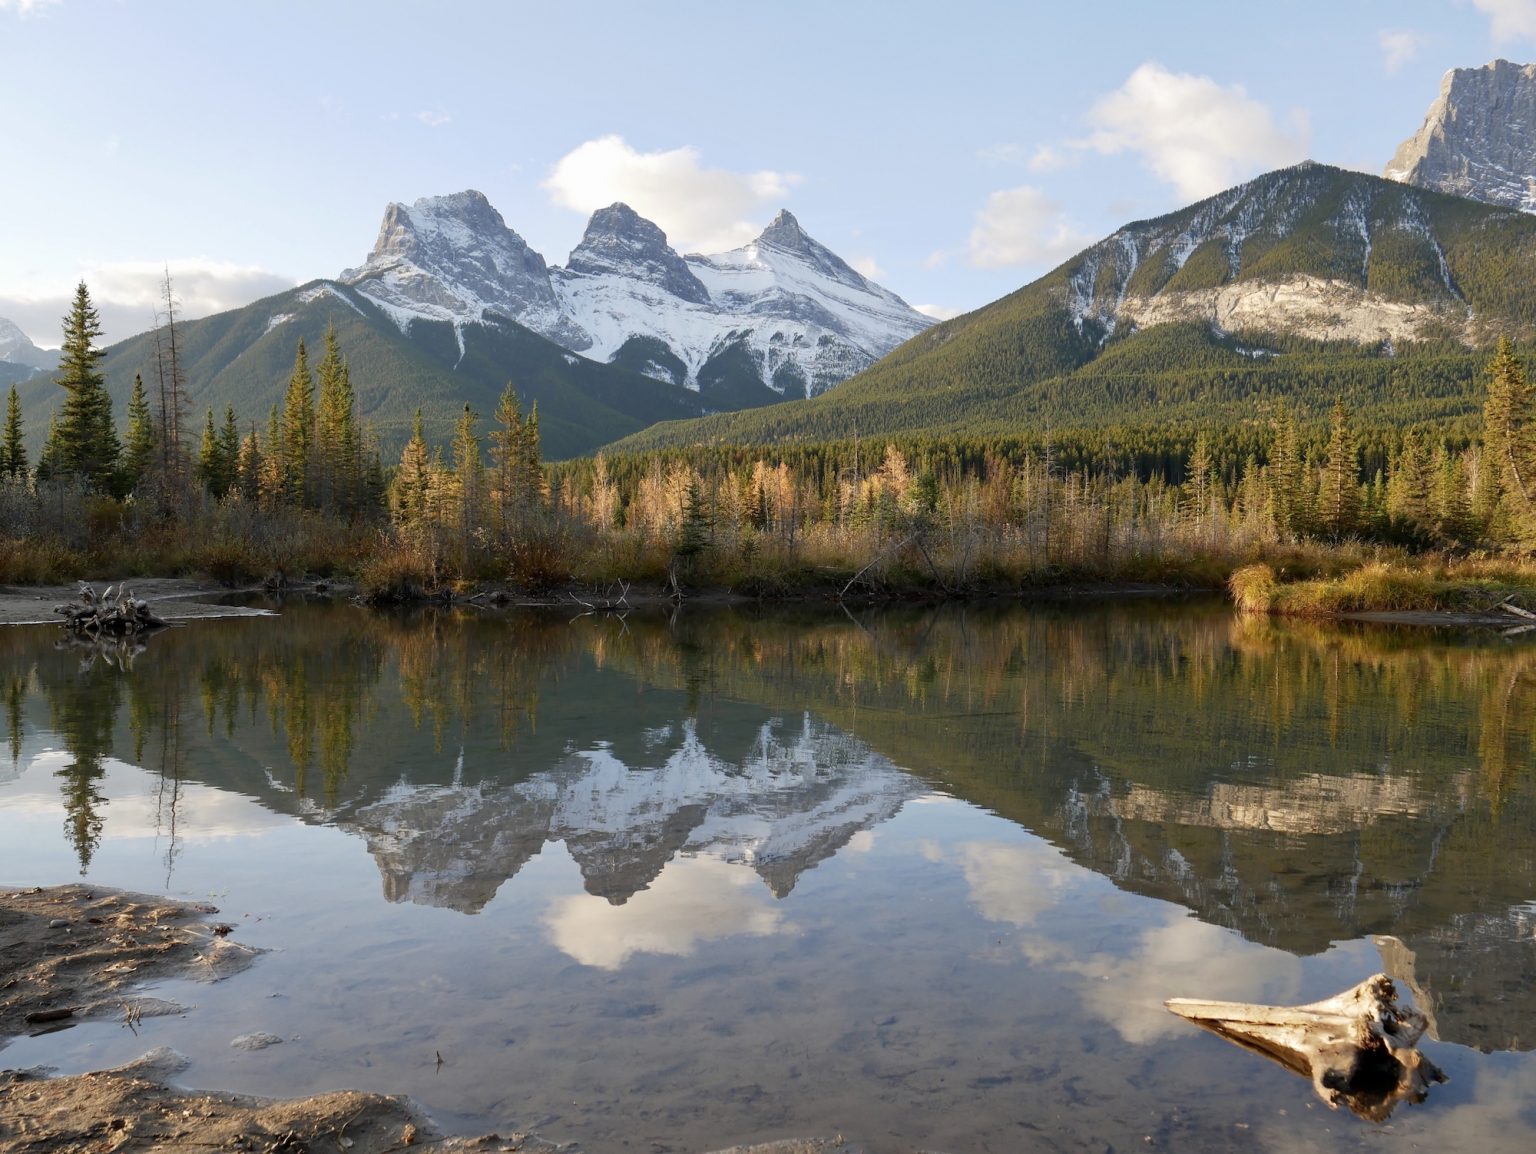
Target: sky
953, 152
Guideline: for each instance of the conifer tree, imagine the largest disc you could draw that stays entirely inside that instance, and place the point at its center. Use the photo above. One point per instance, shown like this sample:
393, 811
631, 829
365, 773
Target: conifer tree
229, 446
13, 445
296, 431
337, 466
469, 472
139, 446
1197, 480
411, 493
1339, 504
1508, 492
1410, 481
252, 467
1288, 505
86, 443
507, 464
216, 467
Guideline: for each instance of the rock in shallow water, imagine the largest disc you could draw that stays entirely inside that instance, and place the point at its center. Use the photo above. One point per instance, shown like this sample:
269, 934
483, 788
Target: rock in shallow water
255, 1041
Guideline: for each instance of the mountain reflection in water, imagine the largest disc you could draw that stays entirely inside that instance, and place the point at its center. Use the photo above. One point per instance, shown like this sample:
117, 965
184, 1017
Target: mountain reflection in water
1298, 785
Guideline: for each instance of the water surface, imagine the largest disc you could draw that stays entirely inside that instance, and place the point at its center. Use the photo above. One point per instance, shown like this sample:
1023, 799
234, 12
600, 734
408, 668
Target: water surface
921, 878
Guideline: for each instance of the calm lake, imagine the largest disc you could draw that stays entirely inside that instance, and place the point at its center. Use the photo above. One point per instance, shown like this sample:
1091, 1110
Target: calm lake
922, 878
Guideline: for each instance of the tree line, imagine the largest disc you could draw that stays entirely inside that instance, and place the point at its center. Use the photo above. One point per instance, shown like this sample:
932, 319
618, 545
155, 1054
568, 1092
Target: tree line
951, 510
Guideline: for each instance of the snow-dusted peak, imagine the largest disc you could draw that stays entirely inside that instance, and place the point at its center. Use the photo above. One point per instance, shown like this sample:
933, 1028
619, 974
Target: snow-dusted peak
453, 258
785, 235
803, 318
621, 242
17, 347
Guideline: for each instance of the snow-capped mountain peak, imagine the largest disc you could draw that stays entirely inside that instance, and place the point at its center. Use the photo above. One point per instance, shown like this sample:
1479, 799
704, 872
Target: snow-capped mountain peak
17, 348
621, 242
453, 258
785, 234
783, 313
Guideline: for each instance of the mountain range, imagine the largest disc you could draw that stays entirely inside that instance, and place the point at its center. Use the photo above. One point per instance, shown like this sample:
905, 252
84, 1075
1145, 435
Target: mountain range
1306, 283
451, 305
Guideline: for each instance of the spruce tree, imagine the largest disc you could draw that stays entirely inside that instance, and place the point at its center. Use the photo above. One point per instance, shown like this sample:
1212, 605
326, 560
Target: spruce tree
1507, 496
140, 444
412, 489
229, 445
13, 445
507, 463
1339, 506
87, 444
338, 464
296, 431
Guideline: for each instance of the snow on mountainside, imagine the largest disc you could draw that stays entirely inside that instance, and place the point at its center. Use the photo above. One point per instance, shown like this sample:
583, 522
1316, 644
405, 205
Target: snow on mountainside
17, 348
784, 306
1478, 139
1310, 250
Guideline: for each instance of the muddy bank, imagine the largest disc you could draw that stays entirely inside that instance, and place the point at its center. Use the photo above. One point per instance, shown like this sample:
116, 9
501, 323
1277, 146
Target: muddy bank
133, 1109
173, 598
73, 953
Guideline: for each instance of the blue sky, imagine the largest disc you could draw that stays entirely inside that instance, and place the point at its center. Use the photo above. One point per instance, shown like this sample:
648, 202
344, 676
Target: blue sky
955, 151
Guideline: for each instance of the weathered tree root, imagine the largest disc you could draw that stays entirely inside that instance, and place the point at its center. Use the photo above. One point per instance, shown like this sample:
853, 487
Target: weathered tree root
1359, 1048
115, 613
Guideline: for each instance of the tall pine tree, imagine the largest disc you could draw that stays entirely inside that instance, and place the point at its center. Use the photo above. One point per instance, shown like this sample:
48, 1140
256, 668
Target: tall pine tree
140, 448
87, 445
13, 445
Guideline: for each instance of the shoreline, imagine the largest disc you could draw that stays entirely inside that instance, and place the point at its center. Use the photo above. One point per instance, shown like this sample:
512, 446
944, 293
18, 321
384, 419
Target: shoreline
180, 600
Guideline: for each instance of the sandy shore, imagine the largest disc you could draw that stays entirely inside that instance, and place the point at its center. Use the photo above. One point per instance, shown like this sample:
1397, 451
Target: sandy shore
173, 598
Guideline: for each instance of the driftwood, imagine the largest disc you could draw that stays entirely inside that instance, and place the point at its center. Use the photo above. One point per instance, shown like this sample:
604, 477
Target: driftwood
1359, 1048
115, 613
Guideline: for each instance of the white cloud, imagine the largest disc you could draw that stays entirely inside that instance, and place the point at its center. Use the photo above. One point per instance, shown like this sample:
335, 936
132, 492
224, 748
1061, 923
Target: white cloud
867, 267
1045, 157
937, 312
1180, 957
1001, 154
433, 118
1192, 132
25, 7
1509, 19
1021, 226
1048, 158
699, 208
694, 900
1399, 46
126, 295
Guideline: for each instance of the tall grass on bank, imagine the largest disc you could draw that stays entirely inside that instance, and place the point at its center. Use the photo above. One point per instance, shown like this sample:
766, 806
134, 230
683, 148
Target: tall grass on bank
1429, 585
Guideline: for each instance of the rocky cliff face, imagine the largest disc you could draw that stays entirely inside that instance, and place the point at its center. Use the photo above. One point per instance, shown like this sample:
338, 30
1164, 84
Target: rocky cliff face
1478, 139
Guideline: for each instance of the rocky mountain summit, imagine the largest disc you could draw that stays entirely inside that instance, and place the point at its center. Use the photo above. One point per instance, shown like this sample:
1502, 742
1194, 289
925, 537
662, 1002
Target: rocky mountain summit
1311, 251
782, 316
1478, 139
17, 348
